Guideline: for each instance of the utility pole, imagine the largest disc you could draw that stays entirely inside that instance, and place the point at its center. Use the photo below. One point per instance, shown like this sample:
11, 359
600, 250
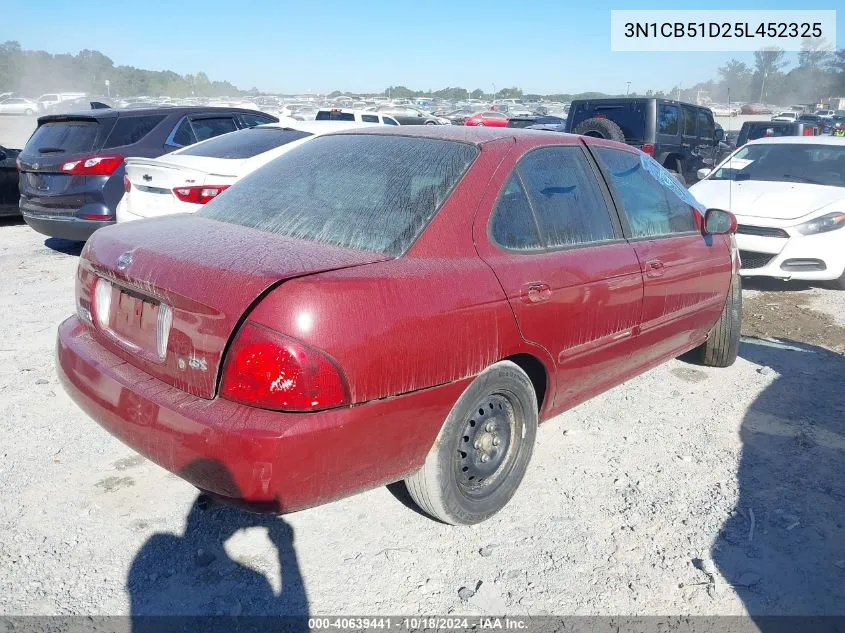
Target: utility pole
627, 88
494, 92
763, 85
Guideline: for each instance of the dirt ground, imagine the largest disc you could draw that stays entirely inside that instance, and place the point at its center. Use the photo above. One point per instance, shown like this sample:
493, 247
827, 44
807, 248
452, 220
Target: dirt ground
688, 490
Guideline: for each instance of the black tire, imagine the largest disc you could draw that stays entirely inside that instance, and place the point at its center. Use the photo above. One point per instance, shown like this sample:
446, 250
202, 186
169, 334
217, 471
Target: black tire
600, 128
431, 122
495, 417
721, 347
677, 170
28, 112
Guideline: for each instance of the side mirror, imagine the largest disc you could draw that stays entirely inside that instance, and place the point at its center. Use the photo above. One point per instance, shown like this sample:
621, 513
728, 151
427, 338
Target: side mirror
719, 222
719, 135
703, 173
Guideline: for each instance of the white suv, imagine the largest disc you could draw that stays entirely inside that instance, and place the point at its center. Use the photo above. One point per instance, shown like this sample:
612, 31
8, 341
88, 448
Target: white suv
358, 116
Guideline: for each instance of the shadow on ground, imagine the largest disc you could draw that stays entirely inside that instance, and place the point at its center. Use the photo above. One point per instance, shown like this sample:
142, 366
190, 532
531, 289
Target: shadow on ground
191, 576
783, 548
66, 247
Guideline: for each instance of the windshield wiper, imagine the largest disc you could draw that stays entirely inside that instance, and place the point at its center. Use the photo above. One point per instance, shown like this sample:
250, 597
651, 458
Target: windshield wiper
51, 150
803, 179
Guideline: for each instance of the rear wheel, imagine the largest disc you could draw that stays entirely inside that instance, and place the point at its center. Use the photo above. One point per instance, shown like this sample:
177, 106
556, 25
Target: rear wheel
721, 347
28, 112
431, 122
482, 451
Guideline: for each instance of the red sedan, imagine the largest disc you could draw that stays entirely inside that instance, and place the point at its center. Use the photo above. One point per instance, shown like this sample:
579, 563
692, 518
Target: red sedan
394, 304
488, 119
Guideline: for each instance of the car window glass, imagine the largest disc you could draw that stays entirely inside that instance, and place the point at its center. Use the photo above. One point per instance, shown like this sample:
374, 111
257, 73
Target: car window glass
668, 117
131, 129
655, 203
334, 115
184, 135
245, 143
688, 128
513, 224
251, 120
706, 128
207, 128
369, 118
565, 196
71, 136
361, 191
390, 121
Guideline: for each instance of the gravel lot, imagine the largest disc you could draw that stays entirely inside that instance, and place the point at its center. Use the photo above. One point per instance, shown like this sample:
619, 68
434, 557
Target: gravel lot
688, 490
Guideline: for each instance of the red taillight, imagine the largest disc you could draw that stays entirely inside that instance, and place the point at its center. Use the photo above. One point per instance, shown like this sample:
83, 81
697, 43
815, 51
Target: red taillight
199, 194
93, 166
127, 185
268, 370
648, 148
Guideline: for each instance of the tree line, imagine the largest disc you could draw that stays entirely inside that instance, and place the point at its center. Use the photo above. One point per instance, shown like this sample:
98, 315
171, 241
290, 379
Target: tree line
819, 74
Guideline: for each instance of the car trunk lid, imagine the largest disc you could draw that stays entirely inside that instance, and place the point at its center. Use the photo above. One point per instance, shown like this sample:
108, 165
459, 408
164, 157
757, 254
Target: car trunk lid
153, 180
179, 286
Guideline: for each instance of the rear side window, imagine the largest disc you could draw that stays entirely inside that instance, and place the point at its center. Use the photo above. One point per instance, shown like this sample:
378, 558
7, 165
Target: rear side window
688, 122
656, 204
245, 143
367, 192
332, 115
183, 135
369, 118
668, 117
131, 129
72, 137
565, 197
390, 121
207, 128
513, 225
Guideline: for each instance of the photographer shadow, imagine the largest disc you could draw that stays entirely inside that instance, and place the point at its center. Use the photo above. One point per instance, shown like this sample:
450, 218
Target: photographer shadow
783, 547
189, 582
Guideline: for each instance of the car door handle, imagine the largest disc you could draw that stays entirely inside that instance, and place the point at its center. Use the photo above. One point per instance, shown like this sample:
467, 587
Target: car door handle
538, 292
654, 268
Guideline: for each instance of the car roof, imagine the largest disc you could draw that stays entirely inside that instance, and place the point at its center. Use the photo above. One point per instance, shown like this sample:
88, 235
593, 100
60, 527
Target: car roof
108, 113
319, 127
800, 140
476, 135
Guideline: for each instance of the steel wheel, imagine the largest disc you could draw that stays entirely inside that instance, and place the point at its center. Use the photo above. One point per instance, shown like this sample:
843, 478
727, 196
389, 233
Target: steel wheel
481, 457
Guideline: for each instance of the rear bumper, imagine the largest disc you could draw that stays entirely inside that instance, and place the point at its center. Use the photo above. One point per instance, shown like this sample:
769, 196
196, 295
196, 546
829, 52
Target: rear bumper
68, 227
277, 461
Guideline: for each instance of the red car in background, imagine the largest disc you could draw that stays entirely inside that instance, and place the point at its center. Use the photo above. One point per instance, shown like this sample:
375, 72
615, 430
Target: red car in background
488, 119
394, 304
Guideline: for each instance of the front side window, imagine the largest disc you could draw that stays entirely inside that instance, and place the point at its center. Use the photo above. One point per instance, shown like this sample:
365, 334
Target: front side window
655, 203
688, 121
706, 127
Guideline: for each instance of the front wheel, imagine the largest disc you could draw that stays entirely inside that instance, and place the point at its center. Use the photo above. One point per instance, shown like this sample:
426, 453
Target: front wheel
722, 346
483, 449
431, 122
28, 112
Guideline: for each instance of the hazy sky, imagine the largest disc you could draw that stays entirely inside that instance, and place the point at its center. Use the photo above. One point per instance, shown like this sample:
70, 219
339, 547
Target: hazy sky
541, 46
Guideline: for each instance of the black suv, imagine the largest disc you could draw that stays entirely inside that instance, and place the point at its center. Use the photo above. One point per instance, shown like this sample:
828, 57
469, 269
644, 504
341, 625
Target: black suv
683, 137
752, 130
71, 169
8, 182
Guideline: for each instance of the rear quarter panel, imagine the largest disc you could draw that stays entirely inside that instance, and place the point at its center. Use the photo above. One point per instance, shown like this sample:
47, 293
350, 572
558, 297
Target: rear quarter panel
430, 317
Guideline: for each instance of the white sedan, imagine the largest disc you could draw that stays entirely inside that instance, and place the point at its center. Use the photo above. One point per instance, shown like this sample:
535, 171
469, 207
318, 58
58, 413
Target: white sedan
788, 195
184, 180
18, 105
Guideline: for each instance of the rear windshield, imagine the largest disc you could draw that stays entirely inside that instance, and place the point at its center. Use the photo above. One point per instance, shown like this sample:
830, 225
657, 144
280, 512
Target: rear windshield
69, 137
245, 143
367, 192
629, 116
331, 115
759, 130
